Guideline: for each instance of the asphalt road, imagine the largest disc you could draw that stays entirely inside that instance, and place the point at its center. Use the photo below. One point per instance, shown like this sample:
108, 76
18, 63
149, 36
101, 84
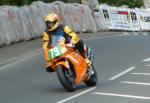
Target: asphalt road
122, 63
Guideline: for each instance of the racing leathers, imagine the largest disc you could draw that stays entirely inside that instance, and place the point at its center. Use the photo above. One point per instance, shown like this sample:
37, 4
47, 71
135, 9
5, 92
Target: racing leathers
68, 34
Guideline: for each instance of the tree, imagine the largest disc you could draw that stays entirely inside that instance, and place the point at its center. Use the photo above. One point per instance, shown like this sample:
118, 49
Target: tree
18, 2
130, 3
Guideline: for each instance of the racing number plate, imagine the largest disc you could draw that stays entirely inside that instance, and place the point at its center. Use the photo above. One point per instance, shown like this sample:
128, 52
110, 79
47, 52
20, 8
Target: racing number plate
54, 52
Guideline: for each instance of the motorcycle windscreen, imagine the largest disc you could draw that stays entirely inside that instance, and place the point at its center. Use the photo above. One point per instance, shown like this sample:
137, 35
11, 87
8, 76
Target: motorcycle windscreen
57, 50
56, 39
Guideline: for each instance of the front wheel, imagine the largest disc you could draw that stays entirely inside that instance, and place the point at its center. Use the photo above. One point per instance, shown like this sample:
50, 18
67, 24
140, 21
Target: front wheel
66, 77
92, 76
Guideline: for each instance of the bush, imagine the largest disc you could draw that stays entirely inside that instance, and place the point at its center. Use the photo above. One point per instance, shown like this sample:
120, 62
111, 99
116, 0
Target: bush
23, 2
15, 2
130, 3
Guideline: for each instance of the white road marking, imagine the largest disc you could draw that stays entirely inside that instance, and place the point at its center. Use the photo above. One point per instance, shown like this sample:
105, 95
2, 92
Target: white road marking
20, 58
125, 34
141, 73
122, 73
122, 95
146, 60
108, 36
145, 34
147, 65
137, 83
77, 95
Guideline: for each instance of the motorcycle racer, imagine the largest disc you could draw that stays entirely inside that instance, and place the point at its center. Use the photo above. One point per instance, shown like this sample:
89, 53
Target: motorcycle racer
53, 30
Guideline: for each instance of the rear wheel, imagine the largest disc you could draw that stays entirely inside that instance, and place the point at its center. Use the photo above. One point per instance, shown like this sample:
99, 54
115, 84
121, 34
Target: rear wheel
66, 77
92, 76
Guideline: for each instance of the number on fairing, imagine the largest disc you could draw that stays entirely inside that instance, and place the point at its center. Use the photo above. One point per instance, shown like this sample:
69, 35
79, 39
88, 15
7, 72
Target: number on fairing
54, 52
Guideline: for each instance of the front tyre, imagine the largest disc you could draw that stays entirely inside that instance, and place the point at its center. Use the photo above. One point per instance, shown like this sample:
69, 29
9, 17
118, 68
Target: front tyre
66, 77
92, 76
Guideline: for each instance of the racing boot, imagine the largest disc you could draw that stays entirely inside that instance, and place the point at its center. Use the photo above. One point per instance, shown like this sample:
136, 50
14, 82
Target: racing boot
88, 61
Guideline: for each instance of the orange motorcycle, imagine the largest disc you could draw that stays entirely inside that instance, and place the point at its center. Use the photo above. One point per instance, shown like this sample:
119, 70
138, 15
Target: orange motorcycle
70, 66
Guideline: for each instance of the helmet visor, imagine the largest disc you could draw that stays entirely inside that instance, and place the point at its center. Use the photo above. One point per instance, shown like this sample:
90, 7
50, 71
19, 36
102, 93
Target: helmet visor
50, 24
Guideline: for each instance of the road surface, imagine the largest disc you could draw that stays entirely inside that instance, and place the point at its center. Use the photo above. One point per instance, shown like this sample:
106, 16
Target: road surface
122, 63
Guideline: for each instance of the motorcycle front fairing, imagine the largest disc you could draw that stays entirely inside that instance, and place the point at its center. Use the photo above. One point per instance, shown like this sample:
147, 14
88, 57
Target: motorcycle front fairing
57, 52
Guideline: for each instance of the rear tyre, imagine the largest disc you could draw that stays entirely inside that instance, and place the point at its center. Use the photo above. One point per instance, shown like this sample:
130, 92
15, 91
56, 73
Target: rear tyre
66, 77
92, 76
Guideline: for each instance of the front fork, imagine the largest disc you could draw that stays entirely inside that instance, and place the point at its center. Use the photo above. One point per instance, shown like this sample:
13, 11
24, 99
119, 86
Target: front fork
90, 71
90, 55
66, 64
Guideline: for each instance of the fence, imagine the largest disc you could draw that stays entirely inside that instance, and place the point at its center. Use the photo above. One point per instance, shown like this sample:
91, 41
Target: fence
125, 18
27, 22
